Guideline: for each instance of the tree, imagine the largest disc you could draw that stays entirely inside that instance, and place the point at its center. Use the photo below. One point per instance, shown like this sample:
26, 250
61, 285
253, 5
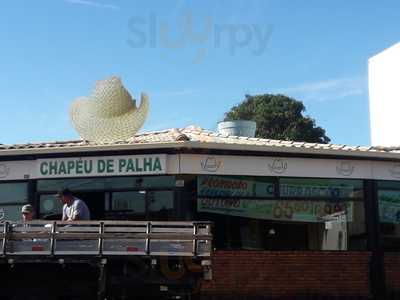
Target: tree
278, 117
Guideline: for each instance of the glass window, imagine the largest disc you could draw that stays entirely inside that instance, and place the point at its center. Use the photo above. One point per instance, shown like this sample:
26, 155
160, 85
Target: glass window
161, 205
323, 225
135, 202
106, 183
389, 185
49, 205
320, 188
266, 235
235, 186
389, 214
15, 192
313, 214
10, 213
290, 225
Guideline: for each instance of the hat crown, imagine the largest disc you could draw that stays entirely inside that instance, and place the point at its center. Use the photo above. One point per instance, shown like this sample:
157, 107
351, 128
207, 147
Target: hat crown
27, 208
111, 99
109, 114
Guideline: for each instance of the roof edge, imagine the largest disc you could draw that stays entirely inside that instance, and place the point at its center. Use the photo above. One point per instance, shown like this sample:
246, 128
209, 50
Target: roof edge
373, 155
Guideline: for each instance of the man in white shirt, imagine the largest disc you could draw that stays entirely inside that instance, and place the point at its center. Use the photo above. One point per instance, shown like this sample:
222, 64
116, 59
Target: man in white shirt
74, 209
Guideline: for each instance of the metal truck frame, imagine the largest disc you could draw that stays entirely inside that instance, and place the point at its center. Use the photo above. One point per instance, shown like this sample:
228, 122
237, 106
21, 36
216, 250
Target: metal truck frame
113, 259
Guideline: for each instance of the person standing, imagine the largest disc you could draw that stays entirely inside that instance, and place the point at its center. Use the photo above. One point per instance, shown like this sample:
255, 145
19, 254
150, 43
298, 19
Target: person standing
74, 209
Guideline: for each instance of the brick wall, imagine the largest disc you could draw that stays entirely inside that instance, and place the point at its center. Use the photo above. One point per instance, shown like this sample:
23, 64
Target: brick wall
392, 271
294, 273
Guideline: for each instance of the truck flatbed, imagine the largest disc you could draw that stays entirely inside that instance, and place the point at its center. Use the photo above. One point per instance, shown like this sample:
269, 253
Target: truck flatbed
105, 238
112, 259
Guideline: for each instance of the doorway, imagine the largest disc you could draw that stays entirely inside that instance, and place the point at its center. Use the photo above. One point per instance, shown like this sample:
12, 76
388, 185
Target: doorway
95, 201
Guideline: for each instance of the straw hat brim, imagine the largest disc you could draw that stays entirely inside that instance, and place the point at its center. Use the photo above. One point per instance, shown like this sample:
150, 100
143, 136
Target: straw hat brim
92, 127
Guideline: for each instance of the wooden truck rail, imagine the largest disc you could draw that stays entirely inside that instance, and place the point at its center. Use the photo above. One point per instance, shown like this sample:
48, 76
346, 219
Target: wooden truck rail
105, 238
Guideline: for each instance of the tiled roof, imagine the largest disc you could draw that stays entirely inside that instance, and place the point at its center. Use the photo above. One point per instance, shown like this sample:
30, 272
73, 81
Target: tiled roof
201, 137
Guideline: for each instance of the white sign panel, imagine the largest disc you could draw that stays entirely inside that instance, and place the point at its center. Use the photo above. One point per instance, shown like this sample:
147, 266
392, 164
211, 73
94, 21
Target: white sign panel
274, 166
386, 170
16, 170
197, 164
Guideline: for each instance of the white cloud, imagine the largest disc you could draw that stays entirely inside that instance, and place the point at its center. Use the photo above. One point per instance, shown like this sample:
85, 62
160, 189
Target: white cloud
330, 89
93, 4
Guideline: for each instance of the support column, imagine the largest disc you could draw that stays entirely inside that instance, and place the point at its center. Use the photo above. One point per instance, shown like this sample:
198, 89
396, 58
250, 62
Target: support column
377, 267
102, 279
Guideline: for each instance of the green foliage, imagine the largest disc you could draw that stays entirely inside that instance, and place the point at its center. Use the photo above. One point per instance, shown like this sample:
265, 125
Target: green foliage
278, 117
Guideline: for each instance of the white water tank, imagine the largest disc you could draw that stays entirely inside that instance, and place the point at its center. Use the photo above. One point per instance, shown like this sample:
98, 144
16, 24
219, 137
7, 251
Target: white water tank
238, 128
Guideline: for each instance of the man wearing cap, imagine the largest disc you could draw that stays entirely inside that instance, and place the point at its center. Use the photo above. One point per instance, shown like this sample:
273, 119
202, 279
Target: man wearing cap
74, 209
27, 213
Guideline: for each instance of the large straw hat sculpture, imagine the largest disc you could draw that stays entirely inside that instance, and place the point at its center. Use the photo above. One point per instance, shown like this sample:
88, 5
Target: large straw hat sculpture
109, 114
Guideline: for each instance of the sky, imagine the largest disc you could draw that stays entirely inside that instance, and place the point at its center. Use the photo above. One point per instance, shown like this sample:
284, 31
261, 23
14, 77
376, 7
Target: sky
195, 59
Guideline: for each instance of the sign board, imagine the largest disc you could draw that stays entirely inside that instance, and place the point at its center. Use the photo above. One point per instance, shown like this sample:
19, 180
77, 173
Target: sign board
89, 166
225, 186
315, 191
198, 164
16, 170
101, 166
275, 166
279, 210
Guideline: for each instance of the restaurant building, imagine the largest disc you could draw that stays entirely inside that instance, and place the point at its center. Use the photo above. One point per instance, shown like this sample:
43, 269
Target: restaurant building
290, 218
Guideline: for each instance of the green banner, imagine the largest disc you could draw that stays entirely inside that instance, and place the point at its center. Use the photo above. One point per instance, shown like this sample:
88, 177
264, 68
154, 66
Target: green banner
238, 186
282, 210
389, 206
315, 191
